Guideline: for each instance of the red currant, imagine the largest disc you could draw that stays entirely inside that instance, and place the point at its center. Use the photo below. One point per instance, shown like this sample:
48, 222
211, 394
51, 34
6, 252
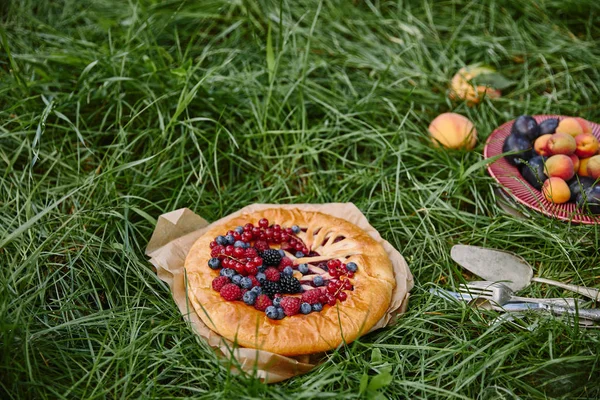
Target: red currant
331, 287
213, 244
248, 227
331, 300
348, 285
238, 252
342, 296
263, 223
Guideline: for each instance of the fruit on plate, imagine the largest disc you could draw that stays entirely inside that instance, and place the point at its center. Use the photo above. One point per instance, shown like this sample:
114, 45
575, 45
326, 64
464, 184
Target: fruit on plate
533, 171
453, 131
556, 190
289, 281
561, 143
559, 157
560, 166
520, 147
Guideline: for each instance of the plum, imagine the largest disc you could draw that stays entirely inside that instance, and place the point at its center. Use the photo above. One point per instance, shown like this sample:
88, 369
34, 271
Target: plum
578, 184
526, 127
548, 126
589, 199
533, 171
520, 145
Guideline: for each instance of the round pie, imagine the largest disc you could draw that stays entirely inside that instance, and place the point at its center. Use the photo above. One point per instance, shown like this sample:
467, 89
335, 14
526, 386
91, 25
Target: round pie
288, 281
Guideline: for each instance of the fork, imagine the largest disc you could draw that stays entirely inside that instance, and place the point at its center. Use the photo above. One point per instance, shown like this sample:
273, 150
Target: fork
501, 294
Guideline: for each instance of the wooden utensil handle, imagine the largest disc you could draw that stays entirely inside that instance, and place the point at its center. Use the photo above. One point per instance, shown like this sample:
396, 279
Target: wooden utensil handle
593, 294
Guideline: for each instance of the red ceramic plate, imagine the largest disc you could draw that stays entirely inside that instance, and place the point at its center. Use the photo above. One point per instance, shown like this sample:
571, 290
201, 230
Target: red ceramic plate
512, 182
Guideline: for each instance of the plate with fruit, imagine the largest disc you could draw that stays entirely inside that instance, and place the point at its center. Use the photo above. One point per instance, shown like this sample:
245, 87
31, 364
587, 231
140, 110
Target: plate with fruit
551, 164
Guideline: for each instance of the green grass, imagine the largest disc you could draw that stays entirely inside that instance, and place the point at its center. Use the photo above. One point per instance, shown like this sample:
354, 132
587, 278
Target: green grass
114, 112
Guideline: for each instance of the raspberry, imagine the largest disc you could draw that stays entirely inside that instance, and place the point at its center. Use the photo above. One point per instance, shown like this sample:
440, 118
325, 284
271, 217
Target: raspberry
290, 305
285, 262
311, 296
262, 302
261, 245
231, 292
219, 282
272, 274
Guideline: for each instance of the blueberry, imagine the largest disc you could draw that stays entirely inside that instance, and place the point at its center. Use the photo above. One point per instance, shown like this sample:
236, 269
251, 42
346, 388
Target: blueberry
295, 229
318, 281
239, 229
249, 297
221, 240
288, 271
277, 301
237, 279
246, 245
280, 313
214, 263
260, 276
305, 308
271, 312
299, 254
246, 283
257, 290
228, 272
282, 253
261, 268
239, 243
230, 239
317, 307
303, 268
351, 266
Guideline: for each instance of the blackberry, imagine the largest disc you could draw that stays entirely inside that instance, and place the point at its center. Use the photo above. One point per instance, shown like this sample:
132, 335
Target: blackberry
270, 288
271, 257
289, 284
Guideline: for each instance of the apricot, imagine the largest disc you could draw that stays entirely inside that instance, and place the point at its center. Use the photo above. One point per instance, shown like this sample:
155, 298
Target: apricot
593, 167
556, 190
541, 145
585, 125
462, 88
453, 131
583, 162
587, 145
575, 160
560, 166
562, 143
570, 126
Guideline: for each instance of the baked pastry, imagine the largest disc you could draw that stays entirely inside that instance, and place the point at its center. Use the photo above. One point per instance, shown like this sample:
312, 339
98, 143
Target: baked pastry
287, 281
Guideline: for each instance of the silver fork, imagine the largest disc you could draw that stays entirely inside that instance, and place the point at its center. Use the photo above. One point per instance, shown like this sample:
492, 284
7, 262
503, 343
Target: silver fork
502, 294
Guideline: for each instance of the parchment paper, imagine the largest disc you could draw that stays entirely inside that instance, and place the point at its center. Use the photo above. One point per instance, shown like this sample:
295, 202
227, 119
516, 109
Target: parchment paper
176, 232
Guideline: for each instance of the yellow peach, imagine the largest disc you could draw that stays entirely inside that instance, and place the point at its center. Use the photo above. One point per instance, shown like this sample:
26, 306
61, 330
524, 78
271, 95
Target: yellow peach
593, 167
575, 160
583, 162
462, 88
562, 143
569, 125
541, 145
556, 190
453, 131
587, 145
559, 165
585, 125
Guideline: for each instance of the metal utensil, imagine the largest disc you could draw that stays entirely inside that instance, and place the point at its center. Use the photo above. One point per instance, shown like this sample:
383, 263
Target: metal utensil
502, 294
510, 269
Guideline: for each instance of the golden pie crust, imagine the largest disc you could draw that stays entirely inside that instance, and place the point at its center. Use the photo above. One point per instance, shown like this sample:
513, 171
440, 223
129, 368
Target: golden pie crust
299, 334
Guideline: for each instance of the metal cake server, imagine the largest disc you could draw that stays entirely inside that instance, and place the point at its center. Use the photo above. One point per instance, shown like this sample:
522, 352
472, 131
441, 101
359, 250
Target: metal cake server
508, 268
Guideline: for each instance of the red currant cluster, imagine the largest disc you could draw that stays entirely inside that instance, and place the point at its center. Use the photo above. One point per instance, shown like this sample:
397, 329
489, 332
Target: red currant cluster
338, 269
245, 261
334, 291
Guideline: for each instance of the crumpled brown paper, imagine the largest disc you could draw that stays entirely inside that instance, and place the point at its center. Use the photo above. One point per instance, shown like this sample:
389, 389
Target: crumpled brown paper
176, 232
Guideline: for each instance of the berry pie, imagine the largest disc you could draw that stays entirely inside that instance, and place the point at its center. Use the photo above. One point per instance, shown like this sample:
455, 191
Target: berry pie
288, 281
